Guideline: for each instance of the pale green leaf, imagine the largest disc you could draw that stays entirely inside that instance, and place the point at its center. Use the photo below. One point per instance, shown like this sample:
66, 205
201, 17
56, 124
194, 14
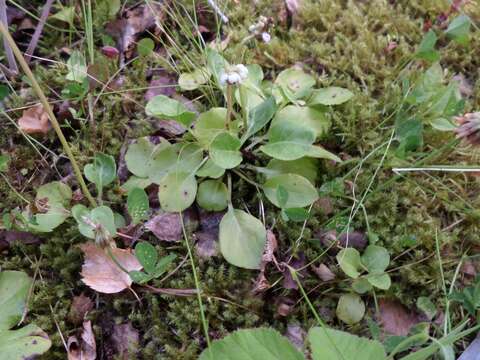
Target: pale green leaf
306, 167
212, 195
145, 47
102, 171
138, 156
77, 67
162, 106
350, 308
295, 82
376, 259
209, 169
177, 191
225, 150
242, 239
300, 191
304, 116
209, 124
25, 343
14, 287
350, 262
137, 205
381, 281
67, 15
332, 95
191, 81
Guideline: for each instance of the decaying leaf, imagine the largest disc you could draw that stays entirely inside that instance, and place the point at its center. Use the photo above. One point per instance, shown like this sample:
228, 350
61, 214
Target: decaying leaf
323, 272
395, 318
207, 244
84, 348
81, 305
297, 335
101, 273
34, 120
125, 341
168, 227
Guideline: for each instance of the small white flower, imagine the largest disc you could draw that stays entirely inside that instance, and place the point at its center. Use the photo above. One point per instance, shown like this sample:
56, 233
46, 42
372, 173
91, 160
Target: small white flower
242, 71
234, 78
266, 37
223, 78
234, 74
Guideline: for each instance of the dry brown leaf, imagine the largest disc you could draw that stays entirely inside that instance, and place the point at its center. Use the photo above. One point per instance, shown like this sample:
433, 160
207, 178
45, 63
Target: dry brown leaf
207, 244
85, 348
34, 120
297, 335
323, 272
168, 226
100, 272
81, 305
395, 318
125, 340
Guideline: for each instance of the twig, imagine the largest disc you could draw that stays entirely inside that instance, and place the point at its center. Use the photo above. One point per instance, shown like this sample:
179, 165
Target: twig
48, 109
218, 11
174, 292
12, 64
38, 30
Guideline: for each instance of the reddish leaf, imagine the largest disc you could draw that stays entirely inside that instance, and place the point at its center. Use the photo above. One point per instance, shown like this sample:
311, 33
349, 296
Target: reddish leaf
395, 318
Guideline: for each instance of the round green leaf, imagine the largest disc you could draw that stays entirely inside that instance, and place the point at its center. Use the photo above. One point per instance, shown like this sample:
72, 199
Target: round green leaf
300, 191
224, 150
376, 259
145, 47
252, 344
46, 222
14, 287
102, 171
242, 239
209, 124
361, 285
350, 309
137, 204
288, 141
212, 195
306, 116
101, 215
381, 281
350, 262
191, 81
147, 255
55, 192
25, 343
210, 169
177, 191
135, 182
296, 82
137, 157
330, 96
163, 107
305, 167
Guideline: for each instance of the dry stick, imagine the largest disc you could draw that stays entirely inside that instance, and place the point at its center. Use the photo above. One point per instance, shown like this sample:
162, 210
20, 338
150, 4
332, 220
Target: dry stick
8, 50
48, 109
38, 30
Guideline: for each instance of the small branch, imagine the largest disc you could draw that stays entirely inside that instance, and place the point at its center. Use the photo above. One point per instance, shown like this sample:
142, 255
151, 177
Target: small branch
12, 64
174, 292
38, 30
46, 105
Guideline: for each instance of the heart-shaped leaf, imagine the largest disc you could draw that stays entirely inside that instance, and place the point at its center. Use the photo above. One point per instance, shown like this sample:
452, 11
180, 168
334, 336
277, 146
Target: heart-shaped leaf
102, 171
300, 191
242, 239
137, 205
330, 96
350, 262
350, 308
225, 150
162, 106
177, 191
212, 195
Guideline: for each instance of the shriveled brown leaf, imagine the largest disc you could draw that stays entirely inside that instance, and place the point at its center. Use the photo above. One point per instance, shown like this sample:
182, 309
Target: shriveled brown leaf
101, 273
81, 305
168, 226
271, 246
296, 263
84, 348
285, 306
297, 335
125, 340
395, 318
8, 237
323, 272
207, 244
34, 120
261, 283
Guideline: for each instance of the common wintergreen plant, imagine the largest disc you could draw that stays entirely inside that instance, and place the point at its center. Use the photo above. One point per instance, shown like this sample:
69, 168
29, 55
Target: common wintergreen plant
276, 125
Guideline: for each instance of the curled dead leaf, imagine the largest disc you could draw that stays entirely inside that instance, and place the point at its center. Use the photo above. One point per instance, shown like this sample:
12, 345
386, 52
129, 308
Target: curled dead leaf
323, 272
100, 272
34, 120
81, 305
85, 348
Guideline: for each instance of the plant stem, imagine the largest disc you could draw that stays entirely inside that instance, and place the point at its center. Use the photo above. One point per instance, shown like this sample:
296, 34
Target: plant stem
197, 283
229, 105
13, 189
12, 65
48, 109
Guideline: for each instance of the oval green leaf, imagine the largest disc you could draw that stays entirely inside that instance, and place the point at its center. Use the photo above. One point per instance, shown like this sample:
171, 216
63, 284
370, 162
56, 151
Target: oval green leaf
350, 309
332, 95
177, 191
300, 191
212, 195
163, 107
225, 150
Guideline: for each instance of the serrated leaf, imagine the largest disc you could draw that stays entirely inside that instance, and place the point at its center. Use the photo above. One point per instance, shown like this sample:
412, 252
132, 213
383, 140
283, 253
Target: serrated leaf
162, 106
137, 205
332, 95
242, 239
350, 262
147, 256
350, 309
300, 191
255, 344
329, 344
212, 195
177, 191
225, 150
102, 171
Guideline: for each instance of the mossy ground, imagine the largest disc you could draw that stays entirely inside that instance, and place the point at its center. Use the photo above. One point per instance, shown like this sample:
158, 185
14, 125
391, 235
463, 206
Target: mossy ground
342, 42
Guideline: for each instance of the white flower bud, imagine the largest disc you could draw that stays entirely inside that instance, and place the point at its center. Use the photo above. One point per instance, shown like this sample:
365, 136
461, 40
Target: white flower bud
234, 78
223, 78
266, 37
242, 71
